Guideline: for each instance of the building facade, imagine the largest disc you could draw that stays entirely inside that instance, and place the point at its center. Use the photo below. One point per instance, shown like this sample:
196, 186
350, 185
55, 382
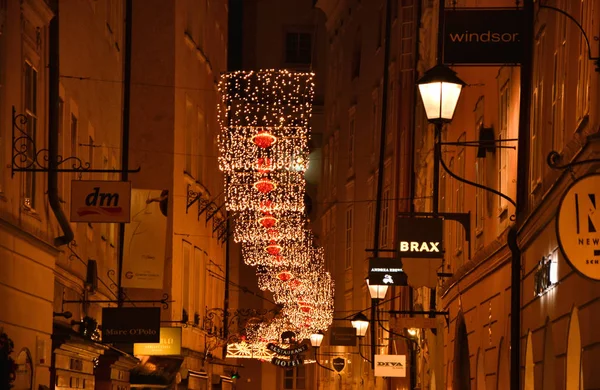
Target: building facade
556, 302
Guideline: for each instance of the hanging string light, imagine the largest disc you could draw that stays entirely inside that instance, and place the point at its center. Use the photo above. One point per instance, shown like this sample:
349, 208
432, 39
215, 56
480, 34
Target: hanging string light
287, 280
279, 253
268, 225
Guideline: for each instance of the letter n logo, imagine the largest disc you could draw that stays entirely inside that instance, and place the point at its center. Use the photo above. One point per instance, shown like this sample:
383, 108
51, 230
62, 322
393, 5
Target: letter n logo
586, 213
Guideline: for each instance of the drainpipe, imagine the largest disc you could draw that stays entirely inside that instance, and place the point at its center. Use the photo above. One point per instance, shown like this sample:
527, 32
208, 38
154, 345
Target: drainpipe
53, 117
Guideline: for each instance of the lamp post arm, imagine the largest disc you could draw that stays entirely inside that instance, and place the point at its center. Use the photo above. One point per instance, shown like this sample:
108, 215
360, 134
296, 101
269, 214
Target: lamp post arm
319, 364
493, 191
391, 331
361, 355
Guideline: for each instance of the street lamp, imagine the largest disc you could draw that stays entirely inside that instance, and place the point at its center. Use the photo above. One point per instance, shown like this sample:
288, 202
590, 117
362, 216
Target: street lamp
315, 340
360, 322
377, 291
440, 89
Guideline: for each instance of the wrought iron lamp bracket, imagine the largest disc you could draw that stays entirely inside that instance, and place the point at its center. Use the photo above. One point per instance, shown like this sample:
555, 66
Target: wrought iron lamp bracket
193, 197
164, 301
27, 157
554, 158
319, 363
580, 27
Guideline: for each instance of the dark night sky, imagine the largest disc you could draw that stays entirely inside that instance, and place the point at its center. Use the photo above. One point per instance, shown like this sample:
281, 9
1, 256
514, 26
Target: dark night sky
234, 60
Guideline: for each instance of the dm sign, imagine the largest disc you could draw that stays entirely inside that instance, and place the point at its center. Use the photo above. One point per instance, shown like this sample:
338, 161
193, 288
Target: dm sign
578, 226
100, 201
131, 325
483, 36
420, 237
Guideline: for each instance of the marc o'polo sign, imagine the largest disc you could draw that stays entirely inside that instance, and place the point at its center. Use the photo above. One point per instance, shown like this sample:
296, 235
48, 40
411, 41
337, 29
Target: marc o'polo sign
420, 237
100, 201
578, 225
483, 36
131, 325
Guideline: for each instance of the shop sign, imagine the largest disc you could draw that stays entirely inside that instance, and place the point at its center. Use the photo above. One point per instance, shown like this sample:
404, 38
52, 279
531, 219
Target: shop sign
100, 201
286, 363
420, 237
342, 336
414, 322
578, 226
386, 272
338, 364
169, 344
390, 365
475, 36
287, 351
130, 325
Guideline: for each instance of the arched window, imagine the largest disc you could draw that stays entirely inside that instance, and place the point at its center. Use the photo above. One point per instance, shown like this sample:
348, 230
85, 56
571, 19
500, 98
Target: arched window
462, 367
574, 366
480, 369
529, 364
548, 380
503, 374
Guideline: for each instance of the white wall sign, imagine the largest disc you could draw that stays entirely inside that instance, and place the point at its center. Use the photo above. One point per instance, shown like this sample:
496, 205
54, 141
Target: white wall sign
100, 201
578, 226
390, 365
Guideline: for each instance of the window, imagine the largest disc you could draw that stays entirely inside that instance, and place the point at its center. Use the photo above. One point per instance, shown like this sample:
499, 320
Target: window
586, 9
190, 122
186, 276
558, 84
356, 55
351, 139
460, 200
298, 48
385, 217
199, 280
502, 154
30, 93
380, 27
349, 236
374, 117
369, 229
201, 149
294, 379
537, 115
451, 201
74, 141
479, 173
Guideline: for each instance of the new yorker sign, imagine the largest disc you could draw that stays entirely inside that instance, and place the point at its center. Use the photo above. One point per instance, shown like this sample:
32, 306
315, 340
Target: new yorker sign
578, 225
420, 237
483, 36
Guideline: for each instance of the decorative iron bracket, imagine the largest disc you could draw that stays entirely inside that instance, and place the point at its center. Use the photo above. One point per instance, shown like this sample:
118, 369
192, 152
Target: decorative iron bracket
580, 27
27, 157
488, 144
431, 313
193, 197
164, 301
554, 158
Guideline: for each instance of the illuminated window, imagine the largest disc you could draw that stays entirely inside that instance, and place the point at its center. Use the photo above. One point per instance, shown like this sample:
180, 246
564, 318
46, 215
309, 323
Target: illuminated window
349, 236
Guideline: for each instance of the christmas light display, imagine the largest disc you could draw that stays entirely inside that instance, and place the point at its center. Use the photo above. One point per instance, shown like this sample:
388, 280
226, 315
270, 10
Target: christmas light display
278, 253
268, 225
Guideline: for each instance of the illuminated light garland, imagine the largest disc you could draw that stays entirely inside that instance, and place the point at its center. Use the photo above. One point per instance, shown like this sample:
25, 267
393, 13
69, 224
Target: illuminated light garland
271, 331
285, 253
314, 306
287, 192
263, 139
253, 226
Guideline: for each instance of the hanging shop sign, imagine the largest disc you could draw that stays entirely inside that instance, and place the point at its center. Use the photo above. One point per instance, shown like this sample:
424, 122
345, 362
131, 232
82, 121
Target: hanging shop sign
338, 364
130, 325
475, 36
145, 242
287, 351
100, 201
390, 365
578, 225
386, 271
420, 237
342, 336
169, 344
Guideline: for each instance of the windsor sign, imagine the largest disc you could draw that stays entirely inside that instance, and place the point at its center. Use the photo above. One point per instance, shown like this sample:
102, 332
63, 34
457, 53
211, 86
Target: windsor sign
578, 226
474, 36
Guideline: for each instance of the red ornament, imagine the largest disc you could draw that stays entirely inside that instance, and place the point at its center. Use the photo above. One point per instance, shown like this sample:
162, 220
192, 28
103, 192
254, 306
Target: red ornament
264, 165
278, 259
264, 186
273, 234
264, 139
295, 283
268, 221
273, 248
284, 276
266, 206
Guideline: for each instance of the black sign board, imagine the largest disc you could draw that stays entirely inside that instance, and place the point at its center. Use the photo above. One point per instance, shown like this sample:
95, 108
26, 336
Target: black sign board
344, 336
386, 272
483, 36
287, 351
339, 364
420, 237
131, 325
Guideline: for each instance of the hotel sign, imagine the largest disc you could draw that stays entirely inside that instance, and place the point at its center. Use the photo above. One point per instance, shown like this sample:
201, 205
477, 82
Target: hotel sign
100, 201
578, 226
420, 237
130, 325
475, 36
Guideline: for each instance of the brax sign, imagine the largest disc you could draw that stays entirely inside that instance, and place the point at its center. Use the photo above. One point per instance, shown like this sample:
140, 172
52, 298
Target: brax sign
131, 325
483, 36
420, 237
100, 201
578, 226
